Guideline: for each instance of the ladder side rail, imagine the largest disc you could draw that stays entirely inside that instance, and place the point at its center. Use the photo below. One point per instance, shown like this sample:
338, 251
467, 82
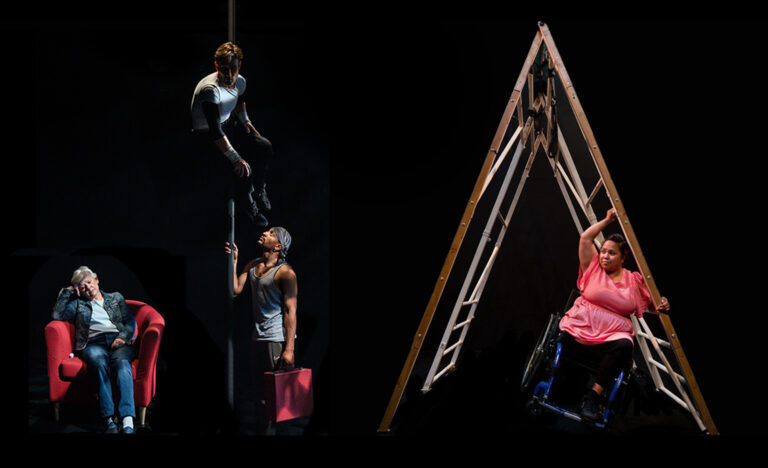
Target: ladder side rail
481, 284
474, 298
486, 272
672, 374
520, 186
429, 312
686, 368
571, 165
646, 353
602, 169
655, 341
586, 200
463, 336
642, 336
500, 160
484, 241
566, 197
568, 183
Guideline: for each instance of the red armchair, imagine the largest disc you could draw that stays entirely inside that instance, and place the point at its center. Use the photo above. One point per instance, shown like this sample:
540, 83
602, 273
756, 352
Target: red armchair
66, 376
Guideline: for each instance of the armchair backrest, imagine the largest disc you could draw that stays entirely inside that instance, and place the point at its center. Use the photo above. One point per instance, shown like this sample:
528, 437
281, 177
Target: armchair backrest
145, 315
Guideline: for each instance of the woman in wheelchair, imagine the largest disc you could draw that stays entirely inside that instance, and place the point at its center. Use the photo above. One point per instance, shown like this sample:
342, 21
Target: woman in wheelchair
598, 323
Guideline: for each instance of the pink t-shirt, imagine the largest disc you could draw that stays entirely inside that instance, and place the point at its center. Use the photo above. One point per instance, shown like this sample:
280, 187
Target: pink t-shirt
601, 313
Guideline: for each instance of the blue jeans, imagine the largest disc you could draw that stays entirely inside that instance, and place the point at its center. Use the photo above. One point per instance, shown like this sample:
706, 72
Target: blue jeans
103, 361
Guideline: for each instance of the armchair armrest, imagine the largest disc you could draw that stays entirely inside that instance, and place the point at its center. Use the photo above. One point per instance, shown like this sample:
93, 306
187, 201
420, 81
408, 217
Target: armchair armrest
58, 340
146, 368
148, 350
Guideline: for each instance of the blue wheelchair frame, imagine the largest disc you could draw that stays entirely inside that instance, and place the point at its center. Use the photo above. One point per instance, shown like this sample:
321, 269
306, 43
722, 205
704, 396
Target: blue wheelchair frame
542, 390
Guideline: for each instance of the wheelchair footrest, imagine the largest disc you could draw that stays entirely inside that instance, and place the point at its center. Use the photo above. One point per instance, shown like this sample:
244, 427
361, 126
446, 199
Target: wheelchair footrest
543, 403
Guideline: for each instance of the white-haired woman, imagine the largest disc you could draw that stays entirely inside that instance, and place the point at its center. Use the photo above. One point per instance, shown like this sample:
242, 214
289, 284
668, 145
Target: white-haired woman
104, 334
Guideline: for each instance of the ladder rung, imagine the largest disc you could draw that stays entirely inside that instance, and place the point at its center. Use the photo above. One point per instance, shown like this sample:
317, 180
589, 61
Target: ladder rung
594, 192
675, 397
503, 221
664, 368
466, 303
440, 374
462, 324
661, 342
452, 347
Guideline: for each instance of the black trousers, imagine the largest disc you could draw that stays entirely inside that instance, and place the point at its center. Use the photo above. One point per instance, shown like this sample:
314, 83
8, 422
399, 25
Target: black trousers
610, 358
255, 149
265, 356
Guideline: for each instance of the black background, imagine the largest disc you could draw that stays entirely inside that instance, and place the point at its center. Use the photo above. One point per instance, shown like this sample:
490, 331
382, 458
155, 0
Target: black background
112, 178
406, 110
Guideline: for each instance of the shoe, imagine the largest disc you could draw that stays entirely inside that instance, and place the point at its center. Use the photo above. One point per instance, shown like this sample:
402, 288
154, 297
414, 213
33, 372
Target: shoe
128, 430
590, 408
261, 198
256, 217
111, 427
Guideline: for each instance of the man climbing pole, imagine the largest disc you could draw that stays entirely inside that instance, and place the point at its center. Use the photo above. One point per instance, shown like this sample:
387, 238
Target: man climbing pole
217, 98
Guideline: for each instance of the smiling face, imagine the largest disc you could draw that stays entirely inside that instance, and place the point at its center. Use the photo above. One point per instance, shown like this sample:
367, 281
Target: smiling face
227, 70
611, 257
89, 288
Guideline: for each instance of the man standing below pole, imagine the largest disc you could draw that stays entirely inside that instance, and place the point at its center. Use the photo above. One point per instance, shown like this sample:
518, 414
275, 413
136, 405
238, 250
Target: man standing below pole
274, 290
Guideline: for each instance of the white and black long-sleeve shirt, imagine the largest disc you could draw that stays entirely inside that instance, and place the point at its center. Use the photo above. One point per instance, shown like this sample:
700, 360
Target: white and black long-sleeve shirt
212, 104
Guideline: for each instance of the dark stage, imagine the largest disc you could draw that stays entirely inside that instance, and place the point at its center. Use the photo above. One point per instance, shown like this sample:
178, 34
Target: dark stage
380, 128
113, 179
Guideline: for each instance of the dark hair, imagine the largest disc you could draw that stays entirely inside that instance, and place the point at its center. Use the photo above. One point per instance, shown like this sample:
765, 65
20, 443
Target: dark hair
227, 50
619, 239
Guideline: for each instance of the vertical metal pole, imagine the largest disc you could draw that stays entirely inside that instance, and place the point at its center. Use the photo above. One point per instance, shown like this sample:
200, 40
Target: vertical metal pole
230, 306
230, 258
231, 20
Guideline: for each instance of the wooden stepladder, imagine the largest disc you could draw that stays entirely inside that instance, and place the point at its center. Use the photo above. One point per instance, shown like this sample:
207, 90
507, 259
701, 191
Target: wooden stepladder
537, 130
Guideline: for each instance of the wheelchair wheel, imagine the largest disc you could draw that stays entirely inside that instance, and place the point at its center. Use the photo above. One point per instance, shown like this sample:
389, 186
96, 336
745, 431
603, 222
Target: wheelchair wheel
539, 354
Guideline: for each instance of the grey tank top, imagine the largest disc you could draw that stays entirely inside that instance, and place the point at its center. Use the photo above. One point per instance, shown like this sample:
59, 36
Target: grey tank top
267, 306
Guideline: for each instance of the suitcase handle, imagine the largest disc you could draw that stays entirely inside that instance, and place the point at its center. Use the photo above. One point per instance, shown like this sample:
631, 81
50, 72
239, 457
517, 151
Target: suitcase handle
279, 370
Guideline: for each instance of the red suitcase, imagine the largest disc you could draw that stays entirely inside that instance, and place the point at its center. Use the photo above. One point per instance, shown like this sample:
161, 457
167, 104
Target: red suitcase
288, 394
